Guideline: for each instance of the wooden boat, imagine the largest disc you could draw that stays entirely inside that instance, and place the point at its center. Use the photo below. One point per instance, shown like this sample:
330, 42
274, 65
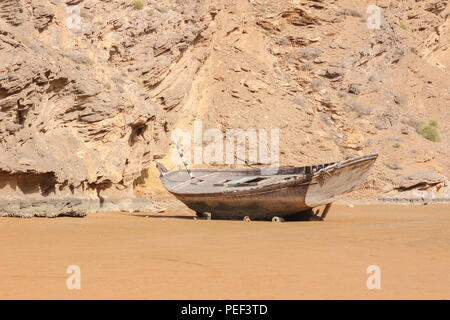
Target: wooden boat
265, 193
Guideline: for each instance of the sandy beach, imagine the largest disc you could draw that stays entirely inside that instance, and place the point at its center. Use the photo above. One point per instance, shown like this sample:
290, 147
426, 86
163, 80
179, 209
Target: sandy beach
171, 256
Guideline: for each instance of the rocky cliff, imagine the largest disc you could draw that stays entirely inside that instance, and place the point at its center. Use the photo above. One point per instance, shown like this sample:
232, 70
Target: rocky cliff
90, 92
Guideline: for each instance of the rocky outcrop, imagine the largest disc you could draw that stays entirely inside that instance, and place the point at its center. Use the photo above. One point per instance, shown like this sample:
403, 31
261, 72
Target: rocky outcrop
43, 15
420, 180
90, 91
76, 127
417, 187
57, 119
13, 12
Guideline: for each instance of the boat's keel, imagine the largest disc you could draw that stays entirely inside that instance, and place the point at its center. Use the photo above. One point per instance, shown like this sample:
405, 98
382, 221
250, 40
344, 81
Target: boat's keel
308, 215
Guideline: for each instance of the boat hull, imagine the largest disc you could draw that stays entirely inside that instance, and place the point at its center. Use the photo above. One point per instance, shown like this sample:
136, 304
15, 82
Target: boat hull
264, 205
321, 188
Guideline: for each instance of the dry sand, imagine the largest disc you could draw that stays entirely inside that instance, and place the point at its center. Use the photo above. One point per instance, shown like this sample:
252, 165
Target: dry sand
162, 257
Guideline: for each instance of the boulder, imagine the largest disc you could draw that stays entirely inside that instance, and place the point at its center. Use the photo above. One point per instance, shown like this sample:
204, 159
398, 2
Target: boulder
419, 179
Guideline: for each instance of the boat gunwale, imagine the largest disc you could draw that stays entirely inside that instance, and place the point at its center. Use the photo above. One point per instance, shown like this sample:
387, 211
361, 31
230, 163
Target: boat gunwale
262, 189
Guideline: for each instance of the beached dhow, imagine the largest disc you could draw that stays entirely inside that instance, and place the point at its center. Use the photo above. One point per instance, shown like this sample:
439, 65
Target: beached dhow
259, 194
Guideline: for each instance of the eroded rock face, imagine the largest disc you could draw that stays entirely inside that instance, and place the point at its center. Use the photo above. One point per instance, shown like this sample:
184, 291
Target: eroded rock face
43, 15
77, 126
13, 12
90, 91
57, 119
